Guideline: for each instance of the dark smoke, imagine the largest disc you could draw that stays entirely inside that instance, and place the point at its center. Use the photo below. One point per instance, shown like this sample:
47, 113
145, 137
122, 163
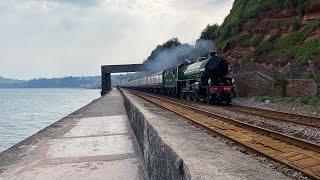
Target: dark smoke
176, 55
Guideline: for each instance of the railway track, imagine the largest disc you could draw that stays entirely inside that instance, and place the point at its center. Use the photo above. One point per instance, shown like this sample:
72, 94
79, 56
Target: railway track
277, 116
296, 153
268, 114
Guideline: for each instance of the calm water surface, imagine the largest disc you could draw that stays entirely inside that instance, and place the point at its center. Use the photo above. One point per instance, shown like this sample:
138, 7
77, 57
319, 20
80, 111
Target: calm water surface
24, 112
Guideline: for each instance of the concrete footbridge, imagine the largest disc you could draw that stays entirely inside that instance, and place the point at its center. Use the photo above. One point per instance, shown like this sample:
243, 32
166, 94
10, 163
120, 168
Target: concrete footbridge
106, 71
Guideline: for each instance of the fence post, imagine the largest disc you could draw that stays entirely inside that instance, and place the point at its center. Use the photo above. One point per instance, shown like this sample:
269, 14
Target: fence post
273, 71
314, 74
290, 70
241, 66
254, 66
313, 70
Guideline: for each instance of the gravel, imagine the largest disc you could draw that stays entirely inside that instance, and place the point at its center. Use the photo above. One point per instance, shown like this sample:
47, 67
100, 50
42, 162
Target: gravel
294, 107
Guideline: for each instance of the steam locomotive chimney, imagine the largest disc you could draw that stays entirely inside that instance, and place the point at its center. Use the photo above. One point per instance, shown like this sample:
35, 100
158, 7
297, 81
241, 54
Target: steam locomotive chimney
213, 54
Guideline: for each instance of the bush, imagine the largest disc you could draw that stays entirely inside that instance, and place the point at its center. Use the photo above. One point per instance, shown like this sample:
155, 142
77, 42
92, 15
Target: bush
261, 94
296, 25
255, 40
245, 39
210, 32
307, 51
305, 99
267, 46
318, 74
314, 101
252, 24
265, 98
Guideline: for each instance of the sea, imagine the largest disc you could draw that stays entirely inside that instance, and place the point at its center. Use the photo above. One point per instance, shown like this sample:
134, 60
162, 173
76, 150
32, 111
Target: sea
23, 112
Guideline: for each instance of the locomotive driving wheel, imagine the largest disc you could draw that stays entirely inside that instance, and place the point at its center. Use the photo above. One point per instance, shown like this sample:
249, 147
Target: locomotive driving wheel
207, 99
182, 94
188, 95
195, 96
228, 101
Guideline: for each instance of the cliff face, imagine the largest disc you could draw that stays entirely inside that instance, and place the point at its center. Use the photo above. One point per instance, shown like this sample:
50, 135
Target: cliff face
271, 31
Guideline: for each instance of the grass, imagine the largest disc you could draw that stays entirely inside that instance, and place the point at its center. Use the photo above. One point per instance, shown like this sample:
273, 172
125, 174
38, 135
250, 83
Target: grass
255, 40
246, 9
271, 23
292, 46
267, 46
297, 37
244, 39
252, 24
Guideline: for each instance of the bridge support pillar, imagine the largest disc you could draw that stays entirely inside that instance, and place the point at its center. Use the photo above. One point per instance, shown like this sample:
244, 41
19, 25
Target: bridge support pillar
106, 83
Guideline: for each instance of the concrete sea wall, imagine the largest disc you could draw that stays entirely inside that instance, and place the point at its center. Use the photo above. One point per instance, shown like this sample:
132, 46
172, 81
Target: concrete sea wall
160, 160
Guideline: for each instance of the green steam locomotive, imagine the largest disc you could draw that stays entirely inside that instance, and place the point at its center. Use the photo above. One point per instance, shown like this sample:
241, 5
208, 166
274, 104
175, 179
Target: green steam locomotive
207, 79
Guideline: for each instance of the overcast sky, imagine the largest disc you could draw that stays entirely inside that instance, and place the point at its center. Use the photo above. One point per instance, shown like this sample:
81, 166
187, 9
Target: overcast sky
56, 38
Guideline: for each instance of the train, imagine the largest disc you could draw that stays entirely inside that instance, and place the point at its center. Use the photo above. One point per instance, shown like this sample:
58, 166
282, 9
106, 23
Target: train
208, 79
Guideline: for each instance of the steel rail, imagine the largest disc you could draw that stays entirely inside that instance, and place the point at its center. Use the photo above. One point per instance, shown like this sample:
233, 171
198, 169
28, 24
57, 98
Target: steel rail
277, 115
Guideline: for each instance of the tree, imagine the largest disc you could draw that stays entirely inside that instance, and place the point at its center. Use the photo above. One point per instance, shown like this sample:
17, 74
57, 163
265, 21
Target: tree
210, 32
173, 42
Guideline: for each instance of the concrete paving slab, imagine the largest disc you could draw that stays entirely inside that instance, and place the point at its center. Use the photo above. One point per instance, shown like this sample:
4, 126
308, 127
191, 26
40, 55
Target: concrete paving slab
96, 126
109, 105
114, 170
103, 120
90, 146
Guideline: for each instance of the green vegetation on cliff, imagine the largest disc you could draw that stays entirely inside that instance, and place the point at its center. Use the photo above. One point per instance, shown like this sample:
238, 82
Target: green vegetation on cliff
293, 45
244, 26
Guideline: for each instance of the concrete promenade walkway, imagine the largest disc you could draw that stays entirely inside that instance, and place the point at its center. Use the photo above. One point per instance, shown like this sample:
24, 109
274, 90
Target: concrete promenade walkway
95, 142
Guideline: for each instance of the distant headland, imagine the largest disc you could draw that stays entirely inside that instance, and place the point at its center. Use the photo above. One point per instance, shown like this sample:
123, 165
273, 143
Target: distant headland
89, 82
